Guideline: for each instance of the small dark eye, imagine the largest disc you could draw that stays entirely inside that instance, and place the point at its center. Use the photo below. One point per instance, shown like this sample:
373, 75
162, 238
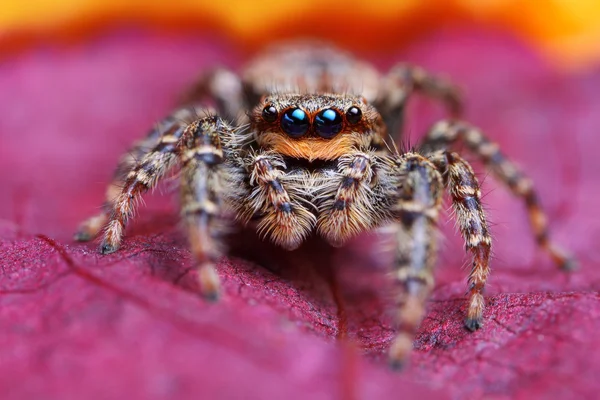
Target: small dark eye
353, 115
328, 123
295, 122
269, 113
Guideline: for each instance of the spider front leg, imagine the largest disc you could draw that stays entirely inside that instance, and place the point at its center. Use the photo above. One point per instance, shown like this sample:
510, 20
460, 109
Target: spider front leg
349, 208
138, 170
416, 209
463, 186
399, 85
282, 214
220, 86
204, 182
447, 133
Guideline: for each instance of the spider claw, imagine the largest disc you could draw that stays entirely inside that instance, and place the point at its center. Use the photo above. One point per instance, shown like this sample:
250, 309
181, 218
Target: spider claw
82, 236
106, 248
562, 258
399, 351
209, 282
211, 296
90, 228
397, 365
569, 264
473, 324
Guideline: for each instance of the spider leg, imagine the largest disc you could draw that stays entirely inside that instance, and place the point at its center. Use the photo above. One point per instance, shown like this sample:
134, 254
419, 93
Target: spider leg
466, 200
447, 133
399, 85
222, 87
283, 216
204, 181
159, 142
349, 208
417, 211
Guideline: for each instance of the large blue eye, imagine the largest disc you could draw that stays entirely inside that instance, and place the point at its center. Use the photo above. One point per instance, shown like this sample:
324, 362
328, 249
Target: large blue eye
295, 122
328, 123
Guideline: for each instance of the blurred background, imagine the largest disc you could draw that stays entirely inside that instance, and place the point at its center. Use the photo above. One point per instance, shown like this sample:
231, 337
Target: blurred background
567, 32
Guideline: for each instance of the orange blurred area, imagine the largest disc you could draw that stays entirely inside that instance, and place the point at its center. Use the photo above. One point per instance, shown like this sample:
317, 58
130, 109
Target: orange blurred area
568, 32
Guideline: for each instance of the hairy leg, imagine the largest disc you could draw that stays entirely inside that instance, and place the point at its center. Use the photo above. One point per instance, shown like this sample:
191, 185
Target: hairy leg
398, 86
221, 86
203, 186
447, 133
417, 211
349, 206
283, 217
158, 145
463, 186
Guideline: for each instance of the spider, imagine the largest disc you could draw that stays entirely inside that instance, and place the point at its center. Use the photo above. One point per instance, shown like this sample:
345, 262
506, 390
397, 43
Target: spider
312, 152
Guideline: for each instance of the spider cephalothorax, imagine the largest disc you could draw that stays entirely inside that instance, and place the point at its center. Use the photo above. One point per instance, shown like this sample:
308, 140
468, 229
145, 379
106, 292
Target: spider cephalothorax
310, 153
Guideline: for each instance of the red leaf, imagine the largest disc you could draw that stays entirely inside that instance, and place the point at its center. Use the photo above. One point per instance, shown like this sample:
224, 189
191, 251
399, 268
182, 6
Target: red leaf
130, 325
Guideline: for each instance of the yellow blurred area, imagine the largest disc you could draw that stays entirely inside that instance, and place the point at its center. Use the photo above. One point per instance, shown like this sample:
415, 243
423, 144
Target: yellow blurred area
567, 31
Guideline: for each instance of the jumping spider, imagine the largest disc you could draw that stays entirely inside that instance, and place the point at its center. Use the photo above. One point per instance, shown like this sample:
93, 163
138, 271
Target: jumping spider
313, 155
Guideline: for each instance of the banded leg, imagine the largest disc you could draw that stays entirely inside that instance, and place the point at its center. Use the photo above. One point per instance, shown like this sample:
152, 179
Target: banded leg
203, 183
161, 139
221, 86
350, 209
466, 202
416, 247
446, 133
283, 218
398, 86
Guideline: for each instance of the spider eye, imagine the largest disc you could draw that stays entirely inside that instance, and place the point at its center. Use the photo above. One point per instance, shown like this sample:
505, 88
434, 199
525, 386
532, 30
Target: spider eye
269, 113
328, 123
295, 122
353, 115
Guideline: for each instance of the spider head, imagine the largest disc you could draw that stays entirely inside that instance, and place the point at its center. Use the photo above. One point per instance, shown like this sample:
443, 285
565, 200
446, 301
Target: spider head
323, 126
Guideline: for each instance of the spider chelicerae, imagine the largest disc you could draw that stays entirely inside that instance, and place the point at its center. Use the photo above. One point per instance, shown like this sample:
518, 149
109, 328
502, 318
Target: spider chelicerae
310, 152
